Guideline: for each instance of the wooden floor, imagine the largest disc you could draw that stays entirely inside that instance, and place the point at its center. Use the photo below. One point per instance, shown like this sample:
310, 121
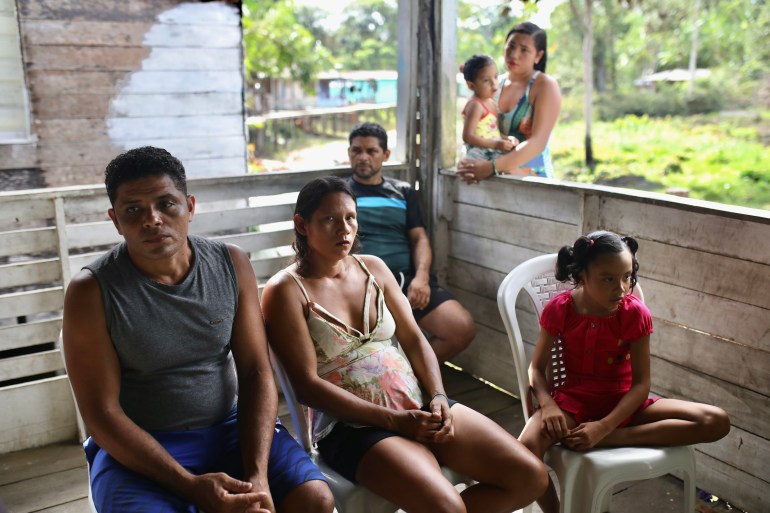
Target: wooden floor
54, 479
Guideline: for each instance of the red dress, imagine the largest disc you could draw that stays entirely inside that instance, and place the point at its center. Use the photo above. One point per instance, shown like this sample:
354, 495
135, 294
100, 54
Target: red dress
597, 355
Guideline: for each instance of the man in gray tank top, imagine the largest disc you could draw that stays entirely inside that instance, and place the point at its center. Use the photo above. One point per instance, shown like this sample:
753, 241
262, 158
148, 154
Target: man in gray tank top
166, 352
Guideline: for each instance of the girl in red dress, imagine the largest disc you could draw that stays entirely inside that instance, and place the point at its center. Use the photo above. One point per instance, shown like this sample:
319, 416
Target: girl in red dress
605, 335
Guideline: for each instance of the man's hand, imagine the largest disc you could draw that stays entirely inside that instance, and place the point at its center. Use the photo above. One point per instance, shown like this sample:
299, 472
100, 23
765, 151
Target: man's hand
220, 493
418, 293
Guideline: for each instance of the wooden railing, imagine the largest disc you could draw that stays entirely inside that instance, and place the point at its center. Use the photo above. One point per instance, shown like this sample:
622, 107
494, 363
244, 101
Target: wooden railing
706, 274
47, 235
705, 269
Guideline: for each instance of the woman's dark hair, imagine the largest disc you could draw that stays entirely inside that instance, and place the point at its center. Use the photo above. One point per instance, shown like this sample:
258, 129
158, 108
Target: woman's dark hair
538, 34
308, 201
475, 64
574, 260
141, 163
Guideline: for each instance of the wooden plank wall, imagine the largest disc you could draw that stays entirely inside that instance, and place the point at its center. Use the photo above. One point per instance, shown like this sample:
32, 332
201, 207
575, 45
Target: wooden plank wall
705, 272
48, 235
108, 76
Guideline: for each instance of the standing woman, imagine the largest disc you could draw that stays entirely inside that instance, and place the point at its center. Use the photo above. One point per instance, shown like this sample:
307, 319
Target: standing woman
380, 418
528, 102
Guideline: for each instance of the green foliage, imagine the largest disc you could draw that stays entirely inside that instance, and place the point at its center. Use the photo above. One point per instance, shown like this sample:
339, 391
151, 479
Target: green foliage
367, 39
276, 45
716, 158
668, 100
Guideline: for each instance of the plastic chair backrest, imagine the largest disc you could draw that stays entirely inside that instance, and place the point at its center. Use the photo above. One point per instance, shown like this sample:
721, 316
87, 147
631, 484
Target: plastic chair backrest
296, 409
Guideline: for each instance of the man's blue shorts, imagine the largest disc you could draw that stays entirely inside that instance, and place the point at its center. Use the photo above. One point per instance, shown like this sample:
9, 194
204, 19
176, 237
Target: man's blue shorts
115, 489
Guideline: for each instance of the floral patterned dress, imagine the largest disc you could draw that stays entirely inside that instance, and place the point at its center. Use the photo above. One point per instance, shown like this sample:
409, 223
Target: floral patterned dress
365, 363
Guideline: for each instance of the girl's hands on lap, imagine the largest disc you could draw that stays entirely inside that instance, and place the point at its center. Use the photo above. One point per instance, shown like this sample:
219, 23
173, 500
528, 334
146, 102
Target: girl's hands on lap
586, 435
554, 421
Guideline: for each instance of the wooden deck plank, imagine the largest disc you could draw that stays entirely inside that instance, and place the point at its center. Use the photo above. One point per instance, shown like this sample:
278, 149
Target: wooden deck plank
46, 491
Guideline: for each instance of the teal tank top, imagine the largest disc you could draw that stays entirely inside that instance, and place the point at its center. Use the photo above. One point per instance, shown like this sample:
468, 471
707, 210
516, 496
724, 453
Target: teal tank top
518, 123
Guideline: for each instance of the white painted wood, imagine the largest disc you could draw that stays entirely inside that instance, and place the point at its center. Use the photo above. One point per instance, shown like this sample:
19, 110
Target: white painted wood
16, 214
145, 128
267, 267
30, 273
192, 13
31, 302
51, 420
20, 242
64, 260
88, 235
29, 334
30, 365
241, 218
77, 262
187, 148
94, 203
219, 167
215, 103
258, 241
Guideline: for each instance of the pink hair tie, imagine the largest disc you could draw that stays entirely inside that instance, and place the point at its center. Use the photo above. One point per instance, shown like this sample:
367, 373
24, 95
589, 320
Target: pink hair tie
590, 243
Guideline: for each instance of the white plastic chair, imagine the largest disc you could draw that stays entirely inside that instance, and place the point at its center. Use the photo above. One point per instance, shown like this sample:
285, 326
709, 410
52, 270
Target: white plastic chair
348, 496
585, 479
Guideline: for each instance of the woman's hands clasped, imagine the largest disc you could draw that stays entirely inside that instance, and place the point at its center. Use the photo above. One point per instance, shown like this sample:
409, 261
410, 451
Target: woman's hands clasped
425, 427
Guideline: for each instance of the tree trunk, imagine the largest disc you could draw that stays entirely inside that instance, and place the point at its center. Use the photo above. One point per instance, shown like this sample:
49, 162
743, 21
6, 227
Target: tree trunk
694, 49
588, 40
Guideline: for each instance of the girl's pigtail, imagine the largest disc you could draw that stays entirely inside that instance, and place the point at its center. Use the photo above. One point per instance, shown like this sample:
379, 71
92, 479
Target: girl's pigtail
631, 243
564, 261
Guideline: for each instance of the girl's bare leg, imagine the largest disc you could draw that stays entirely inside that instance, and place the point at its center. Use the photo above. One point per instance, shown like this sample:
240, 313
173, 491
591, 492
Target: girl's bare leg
538, 441
672, 422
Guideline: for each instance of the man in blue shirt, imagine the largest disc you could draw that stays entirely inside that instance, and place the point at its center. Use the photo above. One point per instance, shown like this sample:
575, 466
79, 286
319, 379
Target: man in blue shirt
390, 226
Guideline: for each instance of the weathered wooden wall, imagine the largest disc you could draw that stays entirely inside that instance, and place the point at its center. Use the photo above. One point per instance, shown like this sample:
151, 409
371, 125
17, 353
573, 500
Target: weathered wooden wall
47, 235
705, 269
107, 76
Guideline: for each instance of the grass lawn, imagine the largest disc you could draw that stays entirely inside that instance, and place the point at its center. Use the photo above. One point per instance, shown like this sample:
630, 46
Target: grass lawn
722, 158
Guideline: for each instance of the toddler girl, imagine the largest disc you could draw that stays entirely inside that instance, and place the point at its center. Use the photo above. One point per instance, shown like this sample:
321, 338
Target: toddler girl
480, 131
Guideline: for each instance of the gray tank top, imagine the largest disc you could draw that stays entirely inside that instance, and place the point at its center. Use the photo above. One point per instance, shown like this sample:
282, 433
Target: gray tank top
173, 341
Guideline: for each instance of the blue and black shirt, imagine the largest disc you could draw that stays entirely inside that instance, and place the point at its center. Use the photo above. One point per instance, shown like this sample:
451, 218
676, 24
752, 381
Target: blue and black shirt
386, 213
